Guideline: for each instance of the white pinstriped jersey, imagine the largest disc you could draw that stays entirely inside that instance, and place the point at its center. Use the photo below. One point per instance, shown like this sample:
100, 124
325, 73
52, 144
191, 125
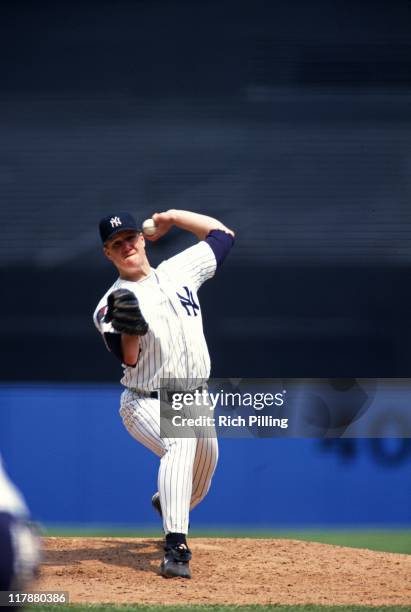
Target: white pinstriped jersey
174, 346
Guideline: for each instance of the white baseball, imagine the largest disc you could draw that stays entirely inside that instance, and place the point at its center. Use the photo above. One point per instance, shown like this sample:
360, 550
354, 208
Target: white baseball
149, 227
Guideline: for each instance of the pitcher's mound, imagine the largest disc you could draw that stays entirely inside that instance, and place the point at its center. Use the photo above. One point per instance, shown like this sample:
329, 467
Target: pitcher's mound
225, 571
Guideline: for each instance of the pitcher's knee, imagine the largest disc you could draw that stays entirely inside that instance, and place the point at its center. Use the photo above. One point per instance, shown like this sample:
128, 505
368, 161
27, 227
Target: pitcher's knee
185, 447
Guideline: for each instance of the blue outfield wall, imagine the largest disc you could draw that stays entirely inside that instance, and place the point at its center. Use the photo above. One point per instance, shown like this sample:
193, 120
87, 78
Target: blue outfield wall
66, 447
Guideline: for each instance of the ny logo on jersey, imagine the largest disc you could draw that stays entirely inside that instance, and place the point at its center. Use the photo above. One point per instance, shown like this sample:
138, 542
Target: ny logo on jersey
188, 302
115, 221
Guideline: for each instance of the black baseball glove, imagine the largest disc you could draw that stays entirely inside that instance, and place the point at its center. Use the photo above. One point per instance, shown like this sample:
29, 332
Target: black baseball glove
125, 314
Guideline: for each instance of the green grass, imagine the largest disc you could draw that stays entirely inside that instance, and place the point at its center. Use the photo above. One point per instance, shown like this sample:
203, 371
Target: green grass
387, 541
384, 540
272, 608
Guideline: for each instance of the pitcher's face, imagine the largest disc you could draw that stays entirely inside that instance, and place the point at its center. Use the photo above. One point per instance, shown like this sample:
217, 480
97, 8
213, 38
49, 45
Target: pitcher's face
127, 252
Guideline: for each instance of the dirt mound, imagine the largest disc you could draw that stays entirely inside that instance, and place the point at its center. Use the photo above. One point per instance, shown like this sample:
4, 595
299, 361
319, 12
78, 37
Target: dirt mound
225, 571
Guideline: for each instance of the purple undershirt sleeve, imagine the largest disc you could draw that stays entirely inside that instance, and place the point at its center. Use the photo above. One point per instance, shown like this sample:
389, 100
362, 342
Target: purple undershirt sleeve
220, 243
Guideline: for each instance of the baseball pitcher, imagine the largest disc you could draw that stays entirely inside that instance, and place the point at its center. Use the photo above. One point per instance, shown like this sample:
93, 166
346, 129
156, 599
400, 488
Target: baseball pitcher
150, 319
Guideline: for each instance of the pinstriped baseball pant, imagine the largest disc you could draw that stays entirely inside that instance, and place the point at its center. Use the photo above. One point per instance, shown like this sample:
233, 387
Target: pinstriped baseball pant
187, 465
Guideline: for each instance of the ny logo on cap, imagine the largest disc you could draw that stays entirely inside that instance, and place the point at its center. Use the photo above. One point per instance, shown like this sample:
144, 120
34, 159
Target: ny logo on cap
115, 221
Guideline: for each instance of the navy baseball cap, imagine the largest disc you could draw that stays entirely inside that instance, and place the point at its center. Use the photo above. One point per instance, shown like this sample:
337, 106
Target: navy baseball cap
115, 223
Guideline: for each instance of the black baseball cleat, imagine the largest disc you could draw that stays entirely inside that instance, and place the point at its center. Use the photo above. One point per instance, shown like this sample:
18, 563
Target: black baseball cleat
176, 562
155, 502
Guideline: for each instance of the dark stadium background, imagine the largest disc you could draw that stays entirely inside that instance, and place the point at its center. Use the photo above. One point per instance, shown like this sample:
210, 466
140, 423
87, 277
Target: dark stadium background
287, 120
290, 121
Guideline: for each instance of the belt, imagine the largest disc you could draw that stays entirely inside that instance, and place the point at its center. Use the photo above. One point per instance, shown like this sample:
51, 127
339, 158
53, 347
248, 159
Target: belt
170, 394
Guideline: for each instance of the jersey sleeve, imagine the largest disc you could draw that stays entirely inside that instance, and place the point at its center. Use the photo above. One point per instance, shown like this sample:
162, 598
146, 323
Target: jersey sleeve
98, 318
195, 264
111, 337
